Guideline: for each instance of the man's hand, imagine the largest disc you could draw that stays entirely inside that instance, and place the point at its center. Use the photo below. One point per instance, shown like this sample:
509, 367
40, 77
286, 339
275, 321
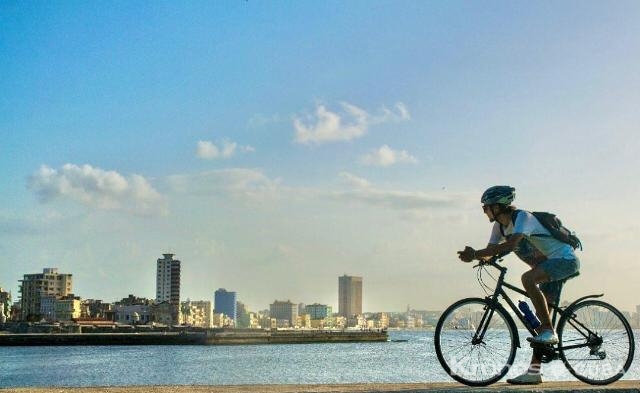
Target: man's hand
467, 255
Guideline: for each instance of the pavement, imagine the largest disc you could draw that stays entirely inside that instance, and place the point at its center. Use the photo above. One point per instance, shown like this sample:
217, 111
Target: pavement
555, 387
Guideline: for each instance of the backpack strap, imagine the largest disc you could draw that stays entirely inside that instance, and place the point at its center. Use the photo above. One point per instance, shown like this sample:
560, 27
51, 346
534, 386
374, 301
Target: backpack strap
514, 214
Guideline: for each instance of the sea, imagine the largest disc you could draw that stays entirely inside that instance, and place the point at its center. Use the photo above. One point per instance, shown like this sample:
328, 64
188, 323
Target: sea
409, 357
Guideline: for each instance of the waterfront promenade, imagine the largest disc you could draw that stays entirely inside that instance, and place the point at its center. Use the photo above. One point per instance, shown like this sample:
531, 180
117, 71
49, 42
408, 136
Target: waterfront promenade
550, 387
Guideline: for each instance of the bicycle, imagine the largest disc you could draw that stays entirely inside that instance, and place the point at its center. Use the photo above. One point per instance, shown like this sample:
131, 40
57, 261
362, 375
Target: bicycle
476, 338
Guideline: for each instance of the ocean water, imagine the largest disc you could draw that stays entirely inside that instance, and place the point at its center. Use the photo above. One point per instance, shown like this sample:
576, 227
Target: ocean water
413, 361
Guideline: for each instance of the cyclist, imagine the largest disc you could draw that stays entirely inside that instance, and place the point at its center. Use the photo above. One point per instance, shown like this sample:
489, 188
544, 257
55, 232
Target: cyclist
550, 260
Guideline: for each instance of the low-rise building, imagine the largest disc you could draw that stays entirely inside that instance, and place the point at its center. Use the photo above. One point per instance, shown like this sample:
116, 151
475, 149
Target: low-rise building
303, 321
5, 306
96, 309
135, 314
196, 313
222, 320
67, 308
318, 311
162, 313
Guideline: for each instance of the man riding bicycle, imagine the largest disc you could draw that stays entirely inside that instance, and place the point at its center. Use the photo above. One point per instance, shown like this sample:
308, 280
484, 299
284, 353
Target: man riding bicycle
550, 260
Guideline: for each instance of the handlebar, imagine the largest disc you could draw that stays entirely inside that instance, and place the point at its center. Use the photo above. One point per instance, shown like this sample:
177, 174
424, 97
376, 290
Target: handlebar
493, 261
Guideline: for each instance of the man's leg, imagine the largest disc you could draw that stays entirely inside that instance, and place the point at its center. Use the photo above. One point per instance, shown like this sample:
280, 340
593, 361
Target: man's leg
535, 366
530, 281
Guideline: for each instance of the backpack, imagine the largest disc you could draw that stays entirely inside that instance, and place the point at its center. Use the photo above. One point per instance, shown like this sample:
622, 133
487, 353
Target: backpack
552, 223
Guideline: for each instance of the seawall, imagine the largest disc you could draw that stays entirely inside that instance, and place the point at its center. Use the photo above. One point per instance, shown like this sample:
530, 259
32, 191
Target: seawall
203, 337
549, 387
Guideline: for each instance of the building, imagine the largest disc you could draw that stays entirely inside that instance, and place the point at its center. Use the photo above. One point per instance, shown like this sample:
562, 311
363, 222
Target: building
163, 313
349, 296
35, 286
225, 303
284, 311
196, 313
168, 284
133, 300
243, 319
48, 307
221, 320
133, 314
5, 306
133, 310
67, 308
96, 309
304, 321
318, 311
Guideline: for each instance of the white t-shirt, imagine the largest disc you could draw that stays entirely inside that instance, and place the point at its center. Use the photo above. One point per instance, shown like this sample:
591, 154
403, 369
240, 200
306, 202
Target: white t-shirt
528, 225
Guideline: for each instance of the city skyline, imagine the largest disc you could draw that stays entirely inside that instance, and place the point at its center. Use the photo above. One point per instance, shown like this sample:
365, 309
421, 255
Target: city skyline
275, 147
349, 289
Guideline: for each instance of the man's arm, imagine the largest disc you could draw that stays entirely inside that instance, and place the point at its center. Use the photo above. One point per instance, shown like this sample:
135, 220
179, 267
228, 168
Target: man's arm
469, 254
502, 248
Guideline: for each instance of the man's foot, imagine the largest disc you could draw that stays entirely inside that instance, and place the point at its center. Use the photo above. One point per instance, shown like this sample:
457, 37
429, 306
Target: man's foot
546, 337
526, 379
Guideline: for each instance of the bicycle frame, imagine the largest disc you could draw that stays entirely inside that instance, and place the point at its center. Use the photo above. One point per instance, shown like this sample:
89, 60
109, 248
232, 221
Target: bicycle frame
592, 337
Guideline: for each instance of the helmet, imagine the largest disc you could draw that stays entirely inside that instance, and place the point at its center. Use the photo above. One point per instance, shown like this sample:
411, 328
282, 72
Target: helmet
502, 195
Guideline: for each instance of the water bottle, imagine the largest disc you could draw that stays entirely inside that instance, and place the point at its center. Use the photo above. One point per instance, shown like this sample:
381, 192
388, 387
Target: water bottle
529, 317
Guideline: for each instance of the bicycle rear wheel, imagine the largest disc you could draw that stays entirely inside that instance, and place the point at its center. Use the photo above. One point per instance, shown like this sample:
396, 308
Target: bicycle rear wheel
470, 358
596, 342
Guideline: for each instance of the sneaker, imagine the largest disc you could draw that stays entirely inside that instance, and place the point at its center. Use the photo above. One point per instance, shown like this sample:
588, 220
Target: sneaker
546, 337
526, 379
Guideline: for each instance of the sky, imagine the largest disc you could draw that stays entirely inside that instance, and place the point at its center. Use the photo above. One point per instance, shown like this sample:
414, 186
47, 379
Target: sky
275, 146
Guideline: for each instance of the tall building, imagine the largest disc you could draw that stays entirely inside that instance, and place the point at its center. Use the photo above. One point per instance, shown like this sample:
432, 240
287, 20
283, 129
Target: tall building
349, 296
225, 303
168, 284
35, 286
284, 311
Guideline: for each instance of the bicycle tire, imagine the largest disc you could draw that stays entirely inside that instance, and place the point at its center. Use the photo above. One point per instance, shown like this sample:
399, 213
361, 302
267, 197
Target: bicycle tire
475, 363
610, 353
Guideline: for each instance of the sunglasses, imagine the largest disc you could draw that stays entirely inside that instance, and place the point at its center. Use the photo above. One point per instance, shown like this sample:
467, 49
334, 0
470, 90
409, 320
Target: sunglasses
485, 207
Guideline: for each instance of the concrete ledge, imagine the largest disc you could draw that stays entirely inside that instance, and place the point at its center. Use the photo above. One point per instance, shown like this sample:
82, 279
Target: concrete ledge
555, 387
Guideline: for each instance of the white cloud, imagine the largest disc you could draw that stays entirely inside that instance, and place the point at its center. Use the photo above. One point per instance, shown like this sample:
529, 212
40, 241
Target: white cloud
97, 188
354, 122
354, 181
237, 182
386, 156
398, 114
207, 150
331, 127
404, 200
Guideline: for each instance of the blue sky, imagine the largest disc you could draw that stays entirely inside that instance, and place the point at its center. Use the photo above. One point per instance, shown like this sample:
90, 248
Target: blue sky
275, 146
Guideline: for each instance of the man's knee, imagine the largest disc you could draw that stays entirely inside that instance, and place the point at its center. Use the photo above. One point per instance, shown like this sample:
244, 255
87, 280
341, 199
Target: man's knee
534, 277
528, 279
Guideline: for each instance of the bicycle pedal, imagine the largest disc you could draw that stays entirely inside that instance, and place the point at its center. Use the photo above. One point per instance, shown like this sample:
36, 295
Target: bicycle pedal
541, 345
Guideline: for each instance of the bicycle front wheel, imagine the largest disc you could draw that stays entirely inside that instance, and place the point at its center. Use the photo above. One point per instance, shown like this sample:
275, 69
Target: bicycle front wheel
475, 342
596, 342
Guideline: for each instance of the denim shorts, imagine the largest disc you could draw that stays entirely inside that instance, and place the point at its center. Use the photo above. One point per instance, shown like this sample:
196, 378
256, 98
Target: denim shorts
557, 269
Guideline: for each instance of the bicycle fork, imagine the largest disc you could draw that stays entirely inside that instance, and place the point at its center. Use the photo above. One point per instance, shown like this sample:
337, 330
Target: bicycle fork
481, 330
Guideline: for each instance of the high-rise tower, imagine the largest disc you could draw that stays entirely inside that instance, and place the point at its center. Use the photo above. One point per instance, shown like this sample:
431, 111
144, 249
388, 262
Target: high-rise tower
168, 283
225, 303
349, 296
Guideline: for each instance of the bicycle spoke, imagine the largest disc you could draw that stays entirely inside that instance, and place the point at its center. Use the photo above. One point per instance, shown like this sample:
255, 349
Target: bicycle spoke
464, 355
608, 348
